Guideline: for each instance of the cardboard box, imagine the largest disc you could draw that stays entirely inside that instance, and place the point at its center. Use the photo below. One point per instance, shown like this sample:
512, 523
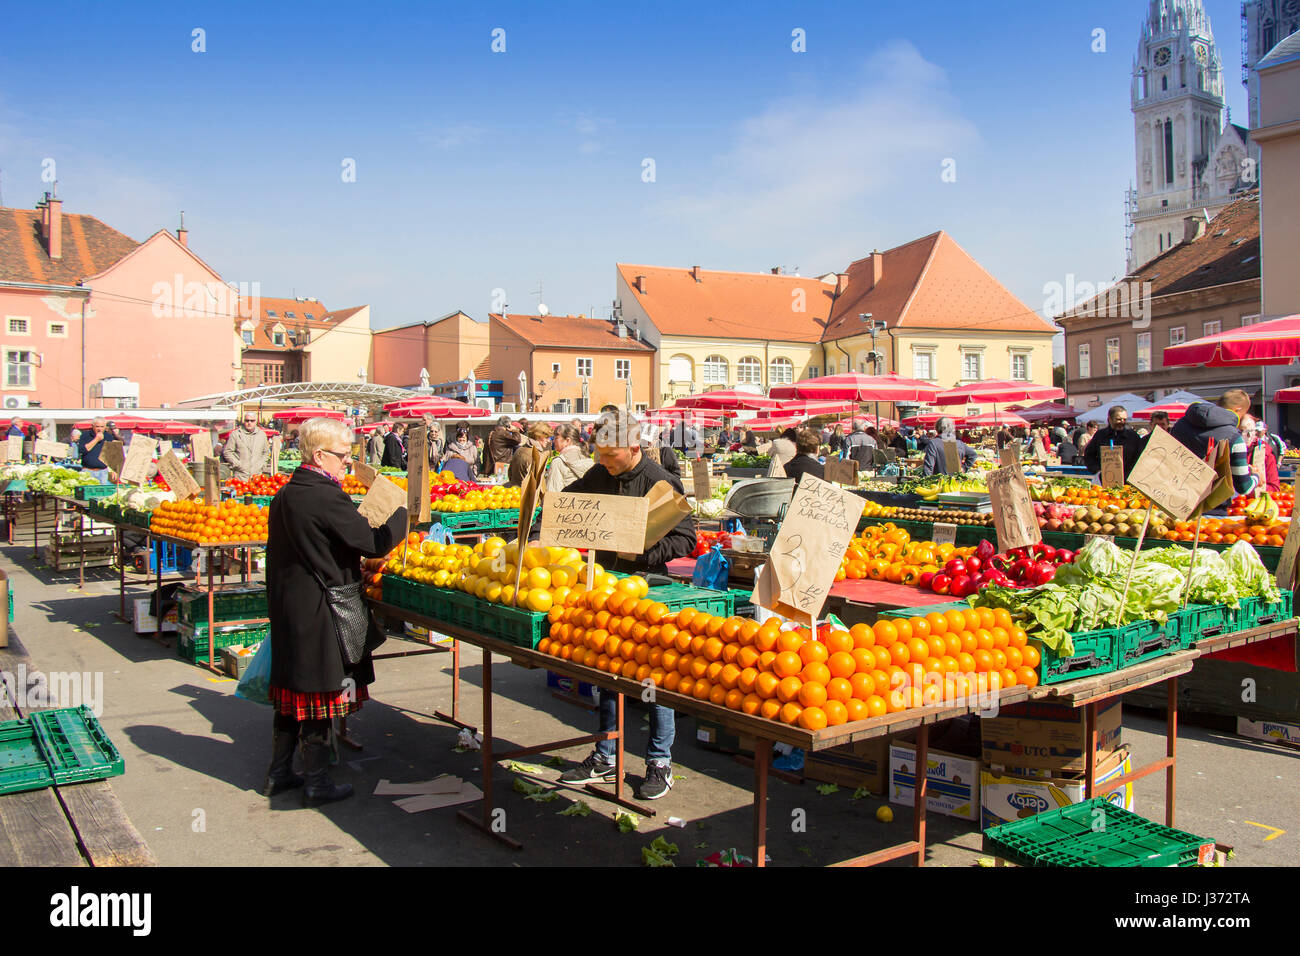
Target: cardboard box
952, 782
565, 685
1040, 736
146, 623
863, 763
234, 661
1270, 730
419, 633
713, 736
1004, 797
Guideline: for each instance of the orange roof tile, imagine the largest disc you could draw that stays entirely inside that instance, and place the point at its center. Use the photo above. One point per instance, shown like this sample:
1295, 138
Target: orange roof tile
930, 283
276, 311
731, 305
568, 331
89, 247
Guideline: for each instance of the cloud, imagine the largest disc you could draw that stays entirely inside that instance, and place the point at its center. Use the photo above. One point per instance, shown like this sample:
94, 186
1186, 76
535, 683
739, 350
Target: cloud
589, 128
804, 164
451, 137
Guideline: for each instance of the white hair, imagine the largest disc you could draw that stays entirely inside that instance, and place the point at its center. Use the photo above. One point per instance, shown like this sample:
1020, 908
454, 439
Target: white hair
316, 433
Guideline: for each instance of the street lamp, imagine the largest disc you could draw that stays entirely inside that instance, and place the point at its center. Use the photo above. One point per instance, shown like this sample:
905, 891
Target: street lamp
874, 326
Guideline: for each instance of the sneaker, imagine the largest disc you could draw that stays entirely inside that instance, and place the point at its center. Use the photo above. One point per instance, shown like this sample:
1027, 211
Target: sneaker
658, 781
595, 769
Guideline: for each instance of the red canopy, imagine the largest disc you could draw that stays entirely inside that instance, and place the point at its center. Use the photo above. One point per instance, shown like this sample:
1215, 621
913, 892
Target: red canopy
434, 407
296, 416
1275, 342
856, 387
1043, 411
269, 432
994, 391
1287, 395
811, 408
127, 422
1176, 410
774, 423
729, 399
990, 419
870, 421
173, 428
924, 420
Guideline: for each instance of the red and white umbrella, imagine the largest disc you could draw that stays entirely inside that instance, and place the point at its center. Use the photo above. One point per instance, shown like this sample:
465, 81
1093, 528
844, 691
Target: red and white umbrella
870, 421
728, 399
989, 419
268, 432
857, 387
993, 392
1287, 395
1175, 410
924, 420
1275, 342
296, 416
774, 423
812, 408
173, 428
127, 422
436, 408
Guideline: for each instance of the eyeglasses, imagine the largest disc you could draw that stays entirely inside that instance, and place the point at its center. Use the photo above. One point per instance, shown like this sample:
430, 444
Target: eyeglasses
342, 456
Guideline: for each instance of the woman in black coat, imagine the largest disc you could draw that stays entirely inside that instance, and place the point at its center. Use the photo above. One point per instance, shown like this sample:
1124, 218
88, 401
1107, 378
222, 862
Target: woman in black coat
316, 539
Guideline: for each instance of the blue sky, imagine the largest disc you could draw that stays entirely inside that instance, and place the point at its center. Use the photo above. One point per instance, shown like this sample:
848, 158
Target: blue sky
478, 170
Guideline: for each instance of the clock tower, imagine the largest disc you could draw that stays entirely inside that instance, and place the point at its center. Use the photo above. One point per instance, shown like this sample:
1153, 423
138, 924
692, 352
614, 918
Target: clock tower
1182, 168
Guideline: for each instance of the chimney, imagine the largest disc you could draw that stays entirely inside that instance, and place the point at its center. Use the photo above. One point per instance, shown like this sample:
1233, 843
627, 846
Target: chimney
877, 267
621, 329
183, 234
776, 270
54, 230
841, 282
695, 273
640, 284
1193, 228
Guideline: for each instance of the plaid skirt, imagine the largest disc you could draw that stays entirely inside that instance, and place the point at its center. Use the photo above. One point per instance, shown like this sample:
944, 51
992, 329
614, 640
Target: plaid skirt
317, 705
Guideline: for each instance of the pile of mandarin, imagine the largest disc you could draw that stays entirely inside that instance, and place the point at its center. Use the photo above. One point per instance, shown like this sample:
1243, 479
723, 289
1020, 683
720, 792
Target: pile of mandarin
789, 674
230, 522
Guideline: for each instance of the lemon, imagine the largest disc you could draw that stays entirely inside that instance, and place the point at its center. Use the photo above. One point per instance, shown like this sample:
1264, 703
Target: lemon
539, 600
494, 593
508, 595
440, 578
521, 597
885, 815
539, 578
559, 594
561, 576
535, 558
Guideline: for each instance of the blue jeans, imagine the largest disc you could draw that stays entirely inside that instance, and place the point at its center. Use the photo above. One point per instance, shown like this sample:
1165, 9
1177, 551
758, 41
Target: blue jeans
99, 474
663, 727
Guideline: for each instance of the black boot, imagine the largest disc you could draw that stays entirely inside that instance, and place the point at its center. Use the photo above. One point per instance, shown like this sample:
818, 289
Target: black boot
320, 789
284, 741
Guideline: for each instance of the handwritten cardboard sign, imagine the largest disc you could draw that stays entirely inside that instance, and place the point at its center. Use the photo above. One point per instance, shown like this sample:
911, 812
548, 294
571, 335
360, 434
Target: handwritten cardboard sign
604, 522
1286, 564
55, 449
273, 463
841, 472
943, 533
201, 445
951, 458
1009, 455
529, 492
1112, 467
417, 475
1013, 511
818, 527
700, 480
365, 474
1171, 475
14, 448
382, 499
114, 456
211, 479
178, 478
135, 469
1259, 463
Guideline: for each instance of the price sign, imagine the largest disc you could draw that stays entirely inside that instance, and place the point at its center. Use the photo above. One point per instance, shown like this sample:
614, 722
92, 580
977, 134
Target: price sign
55, 449
603, 522
1009, 455
211, 478
701, 481
842, 472
14, 448
1112, 467
1171, 475
818, 527
1286, 564
273, 463
200, 445
944, 533
1259, 463
365, 474
114, 456
417, 475
135, 470
180, 481
1013, 511
951, 458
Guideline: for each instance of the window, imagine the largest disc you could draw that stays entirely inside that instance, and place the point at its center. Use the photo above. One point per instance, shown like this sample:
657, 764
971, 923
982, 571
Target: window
715, 370
780, 372
1020, 366
247, 336
1085, 361
972, 366
642, 407
812, 371
1144, 352
584, 368
309, 316
680, 369
555, 370
1250, 319
622, 369
277, 338
18, 369
290, 315
57, 330
1212, 328
18, 327
1112, 356
270, 314
304, 336
749, 371
923, 366
1178, 335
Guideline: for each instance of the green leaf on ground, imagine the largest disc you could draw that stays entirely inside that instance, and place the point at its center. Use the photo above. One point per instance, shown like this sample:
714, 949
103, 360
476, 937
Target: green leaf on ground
827, 788
576, 809
518, 767
554, 761
651, 858
660, 845
526, 787
547, 796
804, 850
627, 822
987, 861
861, 792
701, 846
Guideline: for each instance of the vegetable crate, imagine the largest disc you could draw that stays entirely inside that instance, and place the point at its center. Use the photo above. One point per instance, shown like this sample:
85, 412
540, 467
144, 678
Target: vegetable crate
466, 520
262, 501
743, 602
90, 492
1095, 652
192, 640
1198, 622
1253, 612
519, 627
678, 596
171, 558
234, 603
1094, 833
922, 611
1146, 640
54, 747
505, 518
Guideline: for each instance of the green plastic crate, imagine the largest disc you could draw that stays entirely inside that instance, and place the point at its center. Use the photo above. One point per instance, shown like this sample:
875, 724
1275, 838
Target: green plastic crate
232, 603
743, 601
1094, 833
678, 596
398, 591
465, 520
1095, 652
923, 610
60, 746
90, 492
1146, 640
192, 642
519, 627
262, 501
1255, 612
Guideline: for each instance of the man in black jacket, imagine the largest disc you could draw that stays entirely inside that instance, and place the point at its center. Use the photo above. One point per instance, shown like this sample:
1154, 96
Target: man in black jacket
622, 469
1116, 434
395, 448
806, 443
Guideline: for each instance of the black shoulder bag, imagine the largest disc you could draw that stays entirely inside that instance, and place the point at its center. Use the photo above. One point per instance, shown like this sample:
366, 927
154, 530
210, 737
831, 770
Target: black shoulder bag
352, 619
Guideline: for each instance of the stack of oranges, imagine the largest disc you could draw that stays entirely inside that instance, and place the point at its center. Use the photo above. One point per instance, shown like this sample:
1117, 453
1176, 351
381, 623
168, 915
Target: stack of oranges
791, 675
230, 522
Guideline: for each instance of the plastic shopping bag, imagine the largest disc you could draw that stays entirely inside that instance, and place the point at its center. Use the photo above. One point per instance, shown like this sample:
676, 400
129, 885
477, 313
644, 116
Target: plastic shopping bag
439, 535
711, 570
255, 685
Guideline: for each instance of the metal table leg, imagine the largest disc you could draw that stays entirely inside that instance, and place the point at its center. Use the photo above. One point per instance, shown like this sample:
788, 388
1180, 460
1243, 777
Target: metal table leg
487, 822
762, 760
1171, 750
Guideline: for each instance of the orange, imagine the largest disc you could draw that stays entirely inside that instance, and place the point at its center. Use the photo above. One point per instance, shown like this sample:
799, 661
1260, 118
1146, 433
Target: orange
813, 652
839, 688
938, 623
918, 650
983, 660
812, 694
857, 709
864, 658
765, 639
733, 699
1030, 653
811, 718
765, 684
699, 667
987, 618
627, 650
839, 641
1002, 618
731, 653
685, 616
729, 628
790, 713
713, 647
702, 689
750, 704
657, 674
937, 646
817, 673
669, 660
697, 643
640, 674
965, 663
904, 627
1015, 659
984, 639
747, 680
656, 613
787, 664
789, 641
886, 633
789, 688
747, 632
968, 642
883, 657
999, 659
863, 685
729, 676
765, 660
641, 653
900, 653
544, 645
714, 672
836, 713
771, 709
683, 640
951, 644
862, 635
747, 657
1001, 636
1008, 678
714, 627
956, 620
842, 664
667, 634
684, 662
718, 695
972, 618
1027, 676
1018, 637
686, 686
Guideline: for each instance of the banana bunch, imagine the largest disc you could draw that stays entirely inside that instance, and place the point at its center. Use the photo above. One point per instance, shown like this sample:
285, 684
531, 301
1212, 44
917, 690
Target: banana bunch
950, 484
1263, 509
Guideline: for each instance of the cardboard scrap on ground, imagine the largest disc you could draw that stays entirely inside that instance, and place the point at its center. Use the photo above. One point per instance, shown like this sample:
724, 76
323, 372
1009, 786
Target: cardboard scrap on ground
443, 784
467, 793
